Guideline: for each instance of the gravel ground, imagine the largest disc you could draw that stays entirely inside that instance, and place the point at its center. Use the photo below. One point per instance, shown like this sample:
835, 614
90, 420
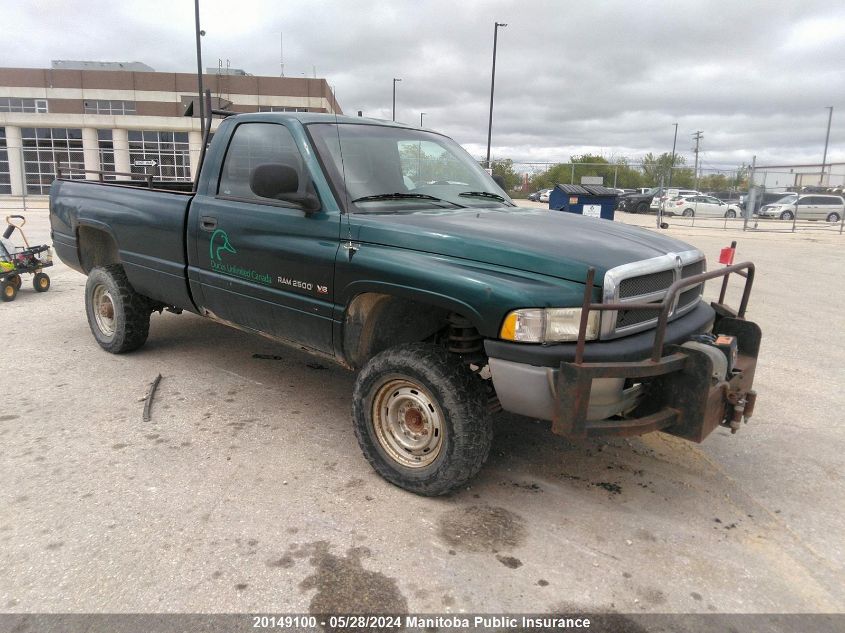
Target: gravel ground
247, 491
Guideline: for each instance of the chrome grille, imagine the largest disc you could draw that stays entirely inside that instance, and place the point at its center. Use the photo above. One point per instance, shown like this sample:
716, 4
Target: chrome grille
647, 282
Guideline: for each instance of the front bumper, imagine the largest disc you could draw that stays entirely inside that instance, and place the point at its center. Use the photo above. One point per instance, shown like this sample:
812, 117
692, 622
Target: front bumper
586, 390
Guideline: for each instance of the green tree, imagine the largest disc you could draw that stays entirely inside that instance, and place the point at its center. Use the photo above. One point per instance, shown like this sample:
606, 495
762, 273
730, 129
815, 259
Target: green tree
504, 168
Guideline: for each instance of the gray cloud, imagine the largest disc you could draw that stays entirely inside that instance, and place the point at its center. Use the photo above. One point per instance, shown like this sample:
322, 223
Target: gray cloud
608, 77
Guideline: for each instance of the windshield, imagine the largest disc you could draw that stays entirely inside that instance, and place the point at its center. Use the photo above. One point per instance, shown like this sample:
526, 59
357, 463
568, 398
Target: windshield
392, 169
787, 200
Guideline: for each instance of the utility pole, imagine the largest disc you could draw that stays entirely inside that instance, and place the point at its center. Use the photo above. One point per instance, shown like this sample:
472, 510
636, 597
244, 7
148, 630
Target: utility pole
672, 164
394, 97
697, 136
826, 140
199, 34
492, 87
282, 53
421, 116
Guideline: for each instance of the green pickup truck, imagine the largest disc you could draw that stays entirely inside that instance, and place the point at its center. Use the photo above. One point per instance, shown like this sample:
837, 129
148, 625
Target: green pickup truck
387, 249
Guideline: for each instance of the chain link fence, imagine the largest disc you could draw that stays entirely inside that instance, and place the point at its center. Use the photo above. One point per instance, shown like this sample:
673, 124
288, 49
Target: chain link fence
753, 198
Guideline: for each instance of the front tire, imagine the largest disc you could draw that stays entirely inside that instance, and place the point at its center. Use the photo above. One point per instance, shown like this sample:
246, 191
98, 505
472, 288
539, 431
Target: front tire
642, 207
421, 419
9, 290
786, 215
118, 316
41, 282
689, 213
730, 214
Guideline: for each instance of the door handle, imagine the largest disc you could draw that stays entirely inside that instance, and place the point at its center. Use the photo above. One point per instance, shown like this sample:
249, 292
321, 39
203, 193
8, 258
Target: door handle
208, 223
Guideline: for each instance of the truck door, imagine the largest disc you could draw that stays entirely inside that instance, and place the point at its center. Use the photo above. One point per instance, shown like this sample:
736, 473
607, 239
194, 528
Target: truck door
261, 262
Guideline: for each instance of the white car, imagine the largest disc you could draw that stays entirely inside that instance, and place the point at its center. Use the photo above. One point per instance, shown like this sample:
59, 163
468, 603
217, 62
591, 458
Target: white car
813, 206
544, 195
669, 194
702, 206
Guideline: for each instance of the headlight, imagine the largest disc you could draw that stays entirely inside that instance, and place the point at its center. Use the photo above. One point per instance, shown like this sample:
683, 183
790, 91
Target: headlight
549, 325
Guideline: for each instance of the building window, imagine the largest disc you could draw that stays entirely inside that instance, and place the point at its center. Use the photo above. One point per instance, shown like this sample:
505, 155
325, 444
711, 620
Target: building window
47, 149
165, 155
15, 104
109, 106
281, 109
5, 179
105, 148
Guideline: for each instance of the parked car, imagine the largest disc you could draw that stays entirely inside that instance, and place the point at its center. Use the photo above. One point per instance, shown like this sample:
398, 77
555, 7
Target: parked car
768, 197
446, 300
702, 206
544, 195
637, 202
535, 197
731, 197
812, 206
669, 194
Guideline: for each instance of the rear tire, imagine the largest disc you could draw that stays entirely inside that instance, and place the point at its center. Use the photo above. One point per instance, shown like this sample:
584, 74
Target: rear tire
41, 282
730, 214
118, 316
17, 281
833, 217
786, 215
689, 213
9, 290
421, 419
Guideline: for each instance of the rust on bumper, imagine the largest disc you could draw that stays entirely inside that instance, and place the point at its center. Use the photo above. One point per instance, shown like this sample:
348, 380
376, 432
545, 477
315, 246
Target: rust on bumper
680, 396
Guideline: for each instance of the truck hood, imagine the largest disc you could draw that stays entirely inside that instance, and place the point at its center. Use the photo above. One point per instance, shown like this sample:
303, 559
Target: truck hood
551, 243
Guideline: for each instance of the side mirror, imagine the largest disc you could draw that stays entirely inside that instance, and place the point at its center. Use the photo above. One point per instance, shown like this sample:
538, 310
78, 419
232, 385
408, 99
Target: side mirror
278, 181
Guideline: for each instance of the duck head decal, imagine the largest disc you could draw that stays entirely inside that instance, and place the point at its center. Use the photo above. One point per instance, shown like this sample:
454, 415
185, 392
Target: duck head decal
218, 245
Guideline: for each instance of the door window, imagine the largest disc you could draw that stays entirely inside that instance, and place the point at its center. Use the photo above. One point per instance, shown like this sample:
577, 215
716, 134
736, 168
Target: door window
255, 144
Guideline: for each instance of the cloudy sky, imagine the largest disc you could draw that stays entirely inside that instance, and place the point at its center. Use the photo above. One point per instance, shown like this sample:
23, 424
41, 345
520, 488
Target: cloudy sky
604, 77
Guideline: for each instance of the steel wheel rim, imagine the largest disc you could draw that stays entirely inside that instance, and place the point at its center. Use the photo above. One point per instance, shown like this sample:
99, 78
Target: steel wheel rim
103, 310
9, 290
408, 423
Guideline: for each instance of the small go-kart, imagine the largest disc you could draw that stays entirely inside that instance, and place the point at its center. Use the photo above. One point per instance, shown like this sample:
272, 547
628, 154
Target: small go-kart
16, 261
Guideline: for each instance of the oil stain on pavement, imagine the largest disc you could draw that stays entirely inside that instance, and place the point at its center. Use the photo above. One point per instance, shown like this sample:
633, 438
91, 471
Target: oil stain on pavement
482, 528
342, 583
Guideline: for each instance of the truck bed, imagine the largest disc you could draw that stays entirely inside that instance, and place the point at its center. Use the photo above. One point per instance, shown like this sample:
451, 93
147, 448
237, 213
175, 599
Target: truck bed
147, 226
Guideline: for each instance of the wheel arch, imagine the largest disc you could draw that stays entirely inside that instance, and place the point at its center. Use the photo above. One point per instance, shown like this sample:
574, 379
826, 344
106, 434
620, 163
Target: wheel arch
378, 318
96, 246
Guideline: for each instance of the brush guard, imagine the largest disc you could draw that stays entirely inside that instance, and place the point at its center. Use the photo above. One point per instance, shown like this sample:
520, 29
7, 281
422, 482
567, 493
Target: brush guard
680, 395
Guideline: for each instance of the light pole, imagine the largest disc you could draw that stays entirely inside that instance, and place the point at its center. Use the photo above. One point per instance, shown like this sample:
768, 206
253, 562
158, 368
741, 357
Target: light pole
199, 34
394, 97
492, 87
421, 116
826, 140
672, 164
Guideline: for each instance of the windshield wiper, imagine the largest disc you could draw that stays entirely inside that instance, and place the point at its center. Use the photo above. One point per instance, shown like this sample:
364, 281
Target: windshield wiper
482, 194
403, 196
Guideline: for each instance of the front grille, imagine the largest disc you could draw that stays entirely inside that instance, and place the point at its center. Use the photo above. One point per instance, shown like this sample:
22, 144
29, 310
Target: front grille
696, 268
689, 296
627, 318
646, 284
648, 281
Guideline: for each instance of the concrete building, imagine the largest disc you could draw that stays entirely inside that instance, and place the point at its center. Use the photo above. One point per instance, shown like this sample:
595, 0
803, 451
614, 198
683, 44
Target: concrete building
123, 118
